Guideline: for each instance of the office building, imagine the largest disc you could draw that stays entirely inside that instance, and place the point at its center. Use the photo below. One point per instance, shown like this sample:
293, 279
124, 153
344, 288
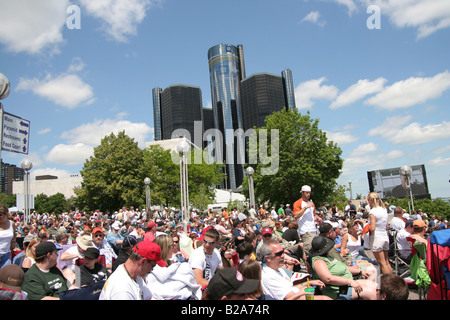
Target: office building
226, 70
261, 95
9, 174
179, 107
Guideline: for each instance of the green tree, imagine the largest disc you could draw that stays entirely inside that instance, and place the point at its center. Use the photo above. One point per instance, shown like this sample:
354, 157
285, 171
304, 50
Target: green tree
113, 177
305, 157
8, 200
55, 203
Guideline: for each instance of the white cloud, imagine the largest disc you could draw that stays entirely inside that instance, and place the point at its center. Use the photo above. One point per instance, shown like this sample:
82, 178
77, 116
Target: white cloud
44, 131
50, 171
314, 17
76, 66
311, 90
32, 26
428, 16
82, 140
395, 130
410, 92
439, 162
70, 154
358, 91
363, 149
368, 157
341, 138
120, 17
67, 90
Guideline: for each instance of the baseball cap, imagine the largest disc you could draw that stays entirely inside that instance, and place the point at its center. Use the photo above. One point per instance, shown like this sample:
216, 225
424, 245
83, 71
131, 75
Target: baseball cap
97, 229
306, 188
45, 247
92, 253
418, 224
11, 277
227, 281
150, 250
151, 224
266, 231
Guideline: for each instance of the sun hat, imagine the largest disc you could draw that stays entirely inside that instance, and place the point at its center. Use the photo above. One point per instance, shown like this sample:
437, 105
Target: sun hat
321, 245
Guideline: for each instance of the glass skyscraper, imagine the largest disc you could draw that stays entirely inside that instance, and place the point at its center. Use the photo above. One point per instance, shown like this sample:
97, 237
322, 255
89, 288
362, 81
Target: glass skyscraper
226, 70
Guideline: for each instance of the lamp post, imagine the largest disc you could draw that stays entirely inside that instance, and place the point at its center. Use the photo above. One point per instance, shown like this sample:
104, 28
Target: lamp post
147, 193
27, 165
405, 176
351, 193
182, 149
250, 171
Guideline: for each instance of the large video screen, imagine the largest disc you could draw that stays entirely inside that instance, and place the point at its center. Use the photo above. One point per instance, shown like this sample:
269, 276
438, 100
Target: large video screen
387, 183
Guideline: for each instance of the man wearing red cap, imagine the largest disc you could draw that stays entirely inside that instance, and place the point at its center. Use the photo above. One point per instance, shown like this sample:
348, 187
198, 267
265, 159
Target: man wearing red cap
127, 282
150, 233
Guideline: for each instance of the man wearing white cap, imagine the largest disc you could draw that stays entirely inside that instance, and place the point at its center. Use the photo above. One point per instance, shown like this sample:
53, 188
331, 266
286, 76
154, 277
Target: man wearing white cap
304, 211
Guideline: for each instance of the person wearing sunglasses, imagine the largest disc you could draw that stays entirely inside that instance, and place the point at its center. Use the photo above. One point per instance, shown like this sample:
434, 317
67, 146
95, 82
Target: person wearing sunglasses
98, 238
275, 281
206, 259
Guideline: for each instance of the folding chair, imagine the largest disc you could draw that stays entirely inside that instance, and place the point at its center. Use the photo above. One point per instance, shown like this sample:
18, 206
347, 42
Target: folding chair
401, 266
419, 272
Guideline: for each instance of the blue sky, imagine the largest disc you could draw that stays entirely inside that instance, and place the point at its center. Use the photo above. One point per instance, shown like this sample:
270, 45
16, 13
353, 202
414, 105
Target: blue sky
381, 94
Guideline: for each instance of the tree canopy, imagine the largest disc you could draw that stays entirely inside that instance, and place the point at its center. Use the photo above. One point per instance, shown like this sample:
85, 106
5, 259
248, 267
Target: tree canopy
304, 154
114, 176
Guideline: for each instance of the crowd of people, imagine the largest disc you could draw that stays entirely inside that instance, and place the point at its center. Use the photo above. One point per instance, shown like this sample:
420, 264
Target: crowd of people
293, 253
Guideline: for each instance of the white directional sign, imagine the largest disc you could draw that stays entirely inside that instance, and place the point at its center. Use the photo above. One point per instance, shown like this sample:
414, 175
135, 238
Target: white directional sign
15, 133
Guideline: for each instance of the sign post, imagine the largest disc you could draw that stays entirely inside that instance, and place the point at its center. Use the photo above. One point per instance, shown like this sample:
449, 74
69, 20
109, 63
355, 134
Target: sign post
15, 133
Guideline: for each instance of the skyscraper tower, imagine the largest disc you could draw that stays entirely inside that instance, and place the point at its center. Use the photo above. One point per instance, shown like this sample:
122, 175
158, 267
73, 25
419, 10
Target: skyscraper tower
176, 107
288, 85
226, 70
156, 92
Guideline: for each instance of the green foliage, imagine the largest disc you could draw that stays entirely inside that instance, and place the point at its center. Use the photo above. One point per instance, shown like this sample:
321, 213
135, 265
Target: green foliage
437, 207
114, 176
8, 200
55, 203
305, 157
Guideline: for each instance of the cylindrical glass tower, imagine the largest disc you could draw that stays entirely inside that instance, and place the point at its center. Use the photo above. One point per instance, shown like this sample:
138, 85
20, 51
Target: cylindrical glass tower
226, 72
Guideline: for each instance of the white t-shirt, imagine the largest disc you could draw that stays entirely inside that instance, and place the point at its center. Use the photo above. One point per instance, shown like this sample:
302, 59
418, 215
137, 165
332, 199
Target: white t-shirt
381, 218
306, 223
208, 263
403, 244
120, 286
397, 223
71, 263
276, 284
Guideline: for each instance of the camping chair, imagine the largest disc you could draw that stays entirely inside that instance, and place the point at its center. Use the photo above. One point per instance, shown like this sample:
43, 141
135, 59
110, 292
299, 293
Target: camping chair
438, 265
394, 255
419, 272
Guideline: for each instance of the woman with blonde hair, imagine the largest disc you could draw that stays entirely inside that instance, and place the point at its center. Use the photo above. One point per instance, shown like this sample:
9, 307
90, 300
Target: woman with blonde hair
378, 232
30, 253
166, 243
176, 281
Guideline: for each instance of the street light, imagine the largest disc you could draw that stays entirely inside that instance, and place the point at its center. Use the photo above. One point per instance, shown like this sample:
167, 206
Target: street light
182, 149
250, 171
351, 193
147, 193
405, 176
27, 165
